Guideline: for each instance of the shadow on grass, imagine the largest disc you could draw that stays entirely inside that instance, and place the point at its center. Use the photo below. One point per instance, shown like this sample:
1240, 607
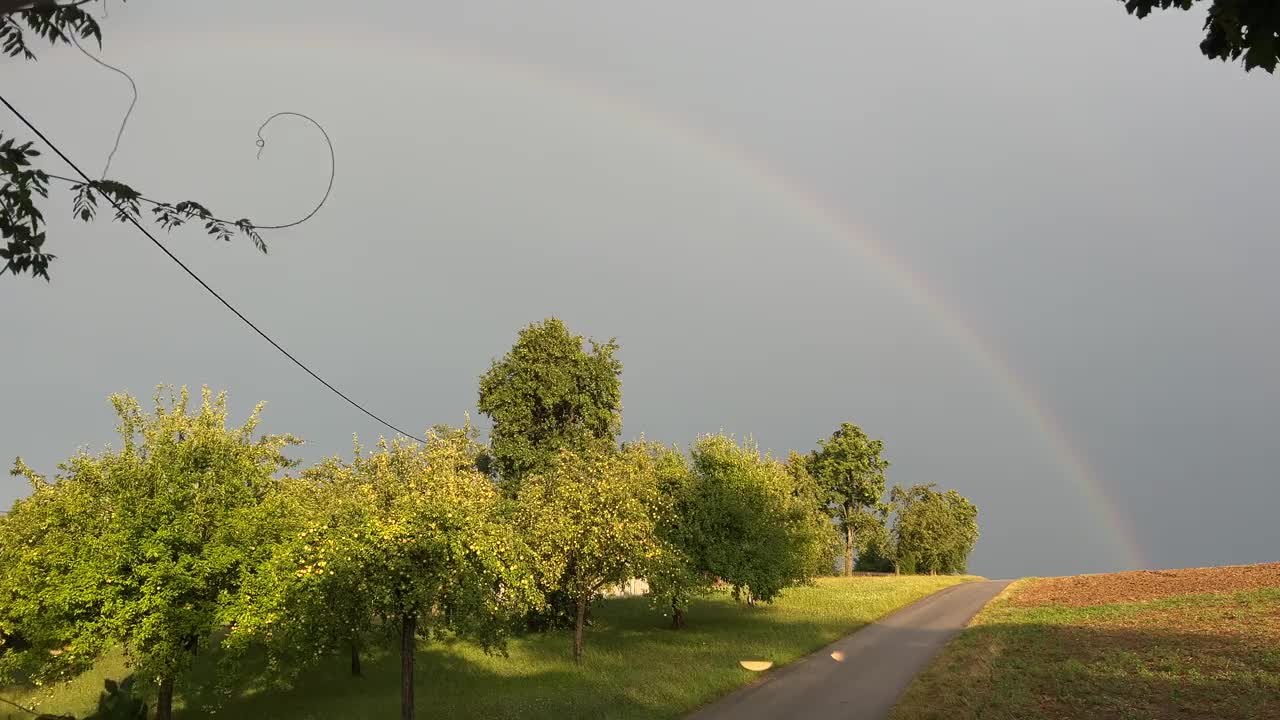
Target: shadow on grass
1021, 670
634, 667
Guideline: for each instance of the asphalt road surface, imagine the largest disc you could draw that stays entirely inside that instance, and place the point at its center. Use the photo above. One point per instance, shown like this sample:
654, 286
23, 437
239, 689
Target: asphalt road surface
877, 663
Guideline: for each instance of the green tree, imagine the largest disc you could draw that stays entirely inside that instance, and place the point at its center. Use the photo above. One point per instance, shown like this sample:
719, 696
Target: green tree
141, 546
1247, 30
550, 394
678, 574
746, 522
413, 535
808, 492
876, 551
933, 532
848, 467
591, 518
338, 607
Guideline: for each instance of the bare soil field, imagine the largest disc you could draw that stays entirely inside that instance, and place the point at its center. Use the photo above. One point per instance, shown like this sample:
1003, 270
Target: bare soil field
1170, 644
1143, 585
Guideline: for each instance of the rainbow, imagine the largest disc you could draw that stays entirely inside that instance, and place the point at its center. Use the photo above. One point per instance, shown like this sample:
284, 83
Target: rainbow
805, 202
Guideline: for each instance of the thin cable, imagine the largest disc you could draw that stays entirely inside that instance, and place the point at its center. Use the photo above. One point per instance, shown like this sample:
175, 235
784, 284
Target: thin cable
124, 122
197, 278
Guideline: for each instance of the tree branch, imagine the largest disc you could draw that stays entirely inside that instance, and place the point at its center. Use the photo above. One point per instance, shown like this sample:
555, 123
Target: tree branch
9, 7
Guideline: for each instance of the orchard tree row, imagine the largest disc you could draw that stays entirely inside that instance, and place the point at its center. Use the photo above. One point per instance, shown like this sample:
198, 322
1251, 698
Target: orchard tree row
197, 533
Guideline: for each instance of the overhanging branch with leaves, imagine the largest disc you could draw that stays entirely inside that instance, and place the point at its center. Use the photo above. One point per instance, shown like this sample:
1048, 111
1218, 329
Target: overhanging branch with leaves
23, 184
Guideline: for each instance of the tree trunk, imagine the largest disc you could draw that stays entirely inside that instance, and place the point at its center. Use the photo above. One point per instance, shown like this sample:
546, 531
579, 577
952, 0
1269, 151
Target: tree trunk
164, 701
579, 626
848, 540
677, 616
408, 646
355, 660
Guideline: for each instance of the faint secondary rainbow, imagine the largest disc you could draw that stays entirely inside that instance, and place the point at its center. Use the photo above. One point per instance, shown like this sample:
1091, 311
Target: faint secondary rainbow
808, 204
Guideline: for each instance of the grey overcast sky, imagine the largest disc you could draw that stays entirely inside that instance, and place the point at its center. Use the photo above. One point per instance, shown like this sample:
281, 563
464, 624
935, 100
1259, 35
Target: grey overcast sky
1076, 325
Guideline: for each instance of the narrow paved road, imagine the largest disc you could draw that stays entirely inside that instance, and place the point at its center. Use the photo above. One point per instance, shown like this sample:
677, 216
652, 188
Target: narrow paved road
878, 663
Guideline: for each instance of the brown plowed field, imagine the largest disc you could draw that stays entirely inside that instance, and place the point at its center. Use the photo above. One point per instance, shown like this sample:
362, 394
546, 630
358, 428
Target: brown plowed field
1142, 585
1200, 643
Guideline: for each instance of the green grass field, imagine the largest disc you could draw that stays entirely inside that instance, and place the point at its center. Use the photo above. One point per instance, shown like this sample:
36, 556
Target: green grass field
1204, 655
634, 666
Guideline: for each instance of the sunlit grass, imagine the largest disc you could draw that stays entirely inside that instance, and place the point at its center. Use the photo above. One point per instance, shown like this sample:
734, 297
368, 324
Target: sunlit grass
634, 666
1210, 655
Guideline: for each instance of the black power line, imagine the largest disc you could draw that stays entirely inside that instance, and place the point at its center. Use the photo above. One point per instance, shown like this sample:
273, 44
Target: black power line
197, 278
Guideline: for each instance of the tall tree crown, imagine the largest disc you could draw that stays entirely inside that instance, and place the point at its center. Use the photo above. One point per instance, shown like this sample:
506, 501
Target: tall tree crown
550, 393
849, 467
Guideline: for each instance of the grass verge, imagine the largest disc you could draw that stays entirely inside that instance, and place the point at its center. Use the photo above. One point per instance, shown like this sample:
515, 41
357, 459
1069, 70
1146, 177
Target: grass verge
634, 667
1196, 655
